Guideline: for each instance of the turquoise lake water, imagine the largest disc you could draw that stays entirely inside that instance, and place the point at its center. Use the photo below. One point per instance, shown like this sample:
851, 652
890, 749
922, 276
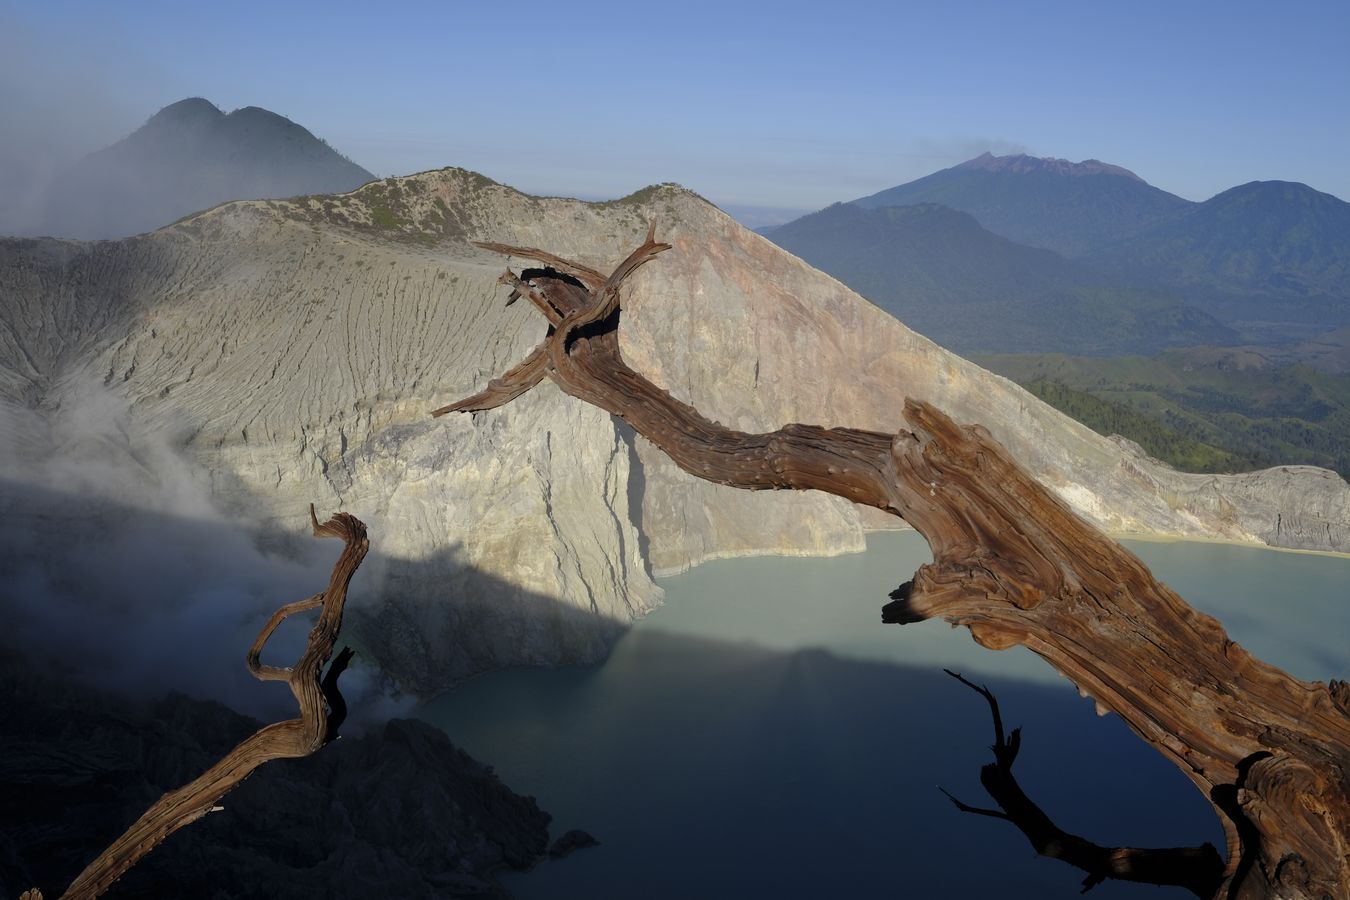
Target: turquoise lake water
764, 735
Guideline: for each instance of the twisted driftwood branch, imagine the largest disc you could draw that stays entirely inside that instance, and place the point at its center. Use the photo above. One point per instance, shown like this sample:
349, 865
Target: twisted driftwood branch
1016, 566
322, 711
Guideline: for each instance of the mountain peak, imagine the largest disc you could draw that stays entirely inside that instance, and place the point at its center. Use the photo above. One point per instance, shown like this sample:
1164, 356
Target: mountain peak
188, 156
194, 111
940, 271
1288, 191
1049, 203
258, 114
189, 108
1021, 164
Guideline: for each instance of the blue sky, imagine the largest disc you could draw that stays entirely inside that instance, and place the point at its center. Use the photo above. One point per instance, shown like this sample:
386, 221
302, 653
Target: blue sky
788, 104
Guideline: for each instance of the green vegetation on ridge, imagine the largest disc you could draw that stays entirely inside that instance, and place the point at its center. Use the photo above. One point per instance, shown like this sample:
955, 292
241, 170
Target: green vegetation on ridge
1158, 438
1200, 409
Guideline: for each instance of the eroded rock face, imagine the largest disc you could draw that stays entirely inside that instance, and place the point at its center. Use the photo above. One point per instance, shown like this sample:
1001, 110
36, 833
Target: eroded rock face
292, 352
292, 366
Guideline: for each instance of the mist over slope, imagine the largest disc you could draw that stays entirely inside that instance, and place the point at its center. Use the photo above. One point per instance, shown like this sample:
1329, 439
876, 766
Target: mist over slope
188, 157
289, 352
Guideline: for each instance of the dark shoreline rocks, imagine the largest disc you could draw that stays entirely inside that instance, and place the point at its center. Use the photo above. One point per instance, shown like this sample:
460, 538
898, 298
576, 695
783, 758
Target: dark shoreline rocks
398, 812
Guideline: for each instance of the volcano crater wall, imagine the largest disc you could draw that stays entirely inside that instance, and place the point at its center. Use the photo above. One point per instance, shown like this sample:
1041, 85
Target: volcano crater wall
290, 352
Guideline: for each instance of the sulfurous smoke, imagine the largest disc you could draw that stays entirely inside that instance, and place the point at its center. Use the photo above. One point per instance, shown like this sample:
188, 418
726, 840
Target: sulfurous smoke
118, 570
57, 102
64, 97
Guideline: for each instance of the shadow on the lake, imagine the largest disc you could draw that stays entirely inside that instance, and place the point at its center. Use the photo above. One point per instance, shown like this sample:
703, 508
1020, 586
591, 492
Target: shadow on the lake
718, 769
706, 767
142, 601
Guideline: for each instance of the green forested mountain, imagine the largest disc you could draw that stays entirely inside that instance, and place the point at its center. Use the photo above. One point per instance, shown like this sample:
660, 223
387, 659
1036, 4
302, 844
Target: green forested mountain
1271, 255
1159, 437
941, 273
1071, 208
1138, 272
1202, 408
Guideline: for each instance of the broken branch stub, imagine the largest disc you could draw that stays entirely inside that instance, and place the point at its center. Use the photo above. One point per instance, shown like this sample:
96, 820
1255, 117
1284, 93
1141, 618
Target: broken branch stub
1015, 565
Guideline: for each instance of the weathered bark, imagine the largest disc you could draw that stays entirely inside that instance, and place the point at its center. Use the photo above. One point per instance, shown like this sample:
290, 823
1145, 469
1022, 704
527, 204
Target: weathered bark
1016, 566
322, 710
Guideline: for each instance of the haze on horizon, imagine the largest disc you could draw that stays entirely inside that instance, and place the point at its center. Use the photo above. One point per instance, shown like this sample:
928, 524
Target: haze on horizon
787, 106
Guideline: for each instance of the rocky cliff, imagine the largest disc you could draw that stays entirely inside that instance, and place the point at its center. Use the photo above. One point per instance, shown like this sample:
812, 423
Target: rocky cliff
290, 350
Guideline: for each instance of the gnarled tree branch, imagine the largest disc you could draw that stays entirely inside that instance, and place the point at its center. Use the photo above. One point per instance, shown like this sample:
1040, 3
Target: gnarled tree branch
321, 712
501, 391
1016, 566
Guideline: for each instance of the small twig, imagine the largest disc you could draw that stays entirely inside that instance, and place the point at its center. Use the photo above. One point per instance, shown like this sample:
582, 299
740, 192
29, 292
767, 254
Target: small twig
1001, 745
977, 810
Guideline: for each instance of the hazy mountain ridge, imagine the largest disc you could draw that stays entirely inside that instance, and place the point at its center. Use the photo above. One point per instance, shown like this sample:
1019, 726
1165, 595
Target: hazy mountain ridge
292, 350
187, 157
1268, 259
1264, 251
940, 272
1022, 163
1070, 208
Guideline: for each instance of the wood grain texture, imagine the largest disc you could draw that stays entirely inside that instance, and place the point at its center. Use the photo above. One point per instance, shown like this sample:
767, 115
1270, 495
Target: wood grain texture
1015, 565
321, 712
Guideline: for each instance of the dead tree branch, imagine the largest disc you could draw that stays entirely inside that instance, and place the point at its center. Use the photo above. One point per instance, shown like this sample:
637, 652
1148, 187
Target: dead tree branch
1015, 565
322, 710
